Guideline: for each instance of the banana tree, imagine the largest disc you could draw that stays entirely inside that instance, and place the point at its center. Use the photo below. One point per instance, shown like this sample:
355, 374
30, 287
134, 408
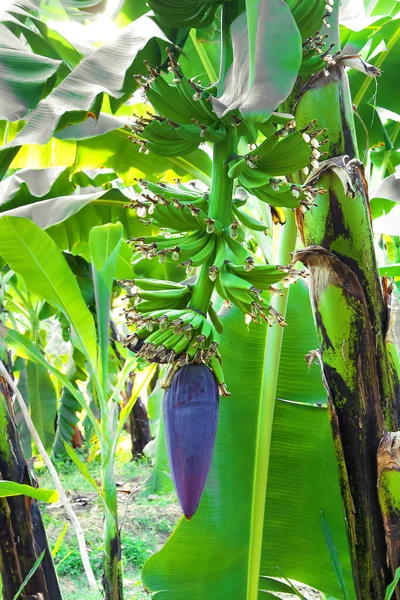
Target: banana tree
357, 353
47, 274
23, 537
264, 120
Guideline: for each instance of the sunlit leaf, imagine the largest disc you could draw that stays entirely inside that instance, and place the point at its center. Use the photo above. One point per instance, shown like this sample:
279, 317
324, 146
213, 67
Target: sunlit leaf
257, 90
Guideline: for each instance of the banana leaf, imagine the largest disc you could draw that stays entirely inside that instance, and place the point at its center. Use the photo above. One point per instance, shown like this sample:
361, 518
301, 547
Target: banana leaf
208, 557
106, 70
261, 76
42, 402
31, 253
23, 75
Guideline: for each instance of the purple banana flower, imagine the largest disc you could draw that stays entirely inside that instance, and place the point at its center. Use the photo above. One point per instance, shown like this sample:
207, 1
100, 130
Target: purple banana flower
190, 409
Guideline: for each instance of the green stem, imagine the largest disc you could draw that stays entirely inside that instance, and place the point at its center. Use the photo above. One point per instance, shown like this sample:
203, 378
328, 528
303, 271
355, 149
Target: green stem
219, 209
221, 184
287, 244
113, 580
205, 61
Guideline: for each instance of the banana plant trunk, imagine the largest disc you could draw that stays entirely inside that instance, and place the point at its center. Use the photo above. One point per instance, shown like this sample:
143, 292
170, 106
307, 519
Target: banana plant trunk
22, 534
358, 354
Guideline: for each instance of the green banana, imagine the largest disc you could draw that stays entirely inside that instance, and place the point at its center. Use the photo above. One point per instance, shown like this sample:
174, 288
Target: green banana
181, 344
171, 293
204, 254
169, 148
174, 218
261, 276
184, 15
156, 284
173, 340
236, 294
206, 328
276, 198
192, 242
215, 319
159, 303
236, 248
290, 155
237, 167
227, 295
232, 281
169, 192
249, 221
251, 179
157, 338
265, 148
169, 102
216, 367
219, 259
199, 110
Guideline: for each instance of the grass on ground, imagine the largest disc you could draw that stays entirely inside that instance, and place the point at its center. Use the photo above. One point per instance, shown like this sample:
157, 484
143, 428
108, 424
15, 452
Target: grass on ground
150, 519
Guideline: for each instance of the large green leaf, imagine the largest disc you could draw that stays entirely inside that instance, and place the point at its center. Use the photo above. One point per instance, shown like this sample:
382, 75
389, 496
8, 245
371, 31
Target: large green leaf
104, 243
31, 253
47, 42
364, 89
47, 213
296, 381
208, 557
23, 77
103, 71
10, 488
267, 55
114, 150
42, 402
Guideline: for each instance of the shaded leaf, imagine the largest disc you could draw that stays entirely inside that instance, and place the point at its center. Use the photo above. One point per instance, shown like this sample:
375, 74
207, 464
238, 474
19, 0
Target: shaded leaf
42, 402
23, 77
337, 566
296, 381
104, 244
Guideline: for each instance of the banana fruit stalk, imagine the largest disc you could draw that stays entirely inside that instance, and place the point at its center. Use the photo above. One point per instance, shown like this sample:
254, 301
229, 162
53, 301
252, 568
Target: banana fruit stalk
204, 231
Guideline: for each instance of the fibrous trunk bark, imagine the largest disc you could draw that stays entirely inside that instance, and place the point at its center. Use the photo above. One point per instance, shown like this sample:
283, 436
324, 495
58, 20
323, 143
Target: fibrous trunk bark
357, 353
22, 534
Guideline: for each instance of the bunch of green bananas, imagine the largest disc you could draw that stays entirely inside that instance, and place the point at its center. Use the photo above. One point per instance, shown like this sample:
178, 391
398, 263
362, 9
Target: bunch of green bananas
250, 288
285, 151
185, 116
176, 324
181, 13
169, 330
